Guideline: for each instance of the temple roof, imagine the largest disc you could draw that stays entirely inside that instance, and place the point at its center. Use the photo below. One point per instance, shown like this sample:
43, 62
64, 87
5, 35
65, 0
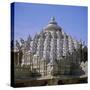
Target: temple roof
52, 25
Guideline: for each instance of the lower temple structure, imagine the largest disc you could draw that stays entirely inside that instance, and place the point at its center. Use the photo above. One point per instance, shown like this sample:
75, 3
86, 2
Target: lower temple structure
51, 56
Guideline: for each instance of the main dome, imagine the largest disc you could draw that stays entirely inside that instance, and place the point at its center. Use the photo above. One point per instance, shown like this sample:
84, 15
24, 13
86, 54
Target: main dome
52, 25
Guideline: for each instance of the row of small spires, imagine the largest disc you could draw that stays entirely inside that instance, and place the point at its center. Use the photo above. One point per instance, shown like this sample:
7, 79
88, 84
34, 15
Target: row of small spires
30, 39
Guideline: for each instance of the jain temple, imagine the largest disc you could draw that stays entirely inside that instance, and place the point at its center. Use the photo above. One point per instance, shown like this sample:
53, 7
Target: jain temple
52, 57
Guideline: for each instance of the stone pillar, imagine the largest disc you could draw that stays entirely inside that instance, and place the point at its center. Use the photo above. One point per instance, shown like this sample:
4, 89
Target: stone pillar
35, 43
76, 44
70, 44
65, 45
40, 47
46, 52
53, 52
59, 45
23, 56
32, 47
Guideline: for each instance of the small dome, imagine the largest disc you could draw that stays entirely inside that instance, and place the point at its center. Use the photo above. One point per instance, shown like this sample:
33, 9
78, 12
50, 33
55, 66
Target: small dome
52, 25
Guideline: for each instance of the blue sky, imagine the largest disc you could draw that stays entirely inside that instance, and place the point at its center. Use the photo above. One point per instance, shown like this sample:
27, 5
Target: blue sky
31, 18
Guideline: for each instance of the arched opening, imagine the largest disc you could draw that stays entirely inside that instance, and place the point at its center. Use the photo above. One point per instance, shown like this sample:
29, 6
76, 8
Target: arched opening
60, 82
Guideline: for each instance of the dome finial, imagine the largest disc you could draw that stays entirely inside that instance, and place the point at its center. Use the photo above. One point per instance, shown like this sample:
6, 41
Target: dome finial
53, 25
53, 18
52, 21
